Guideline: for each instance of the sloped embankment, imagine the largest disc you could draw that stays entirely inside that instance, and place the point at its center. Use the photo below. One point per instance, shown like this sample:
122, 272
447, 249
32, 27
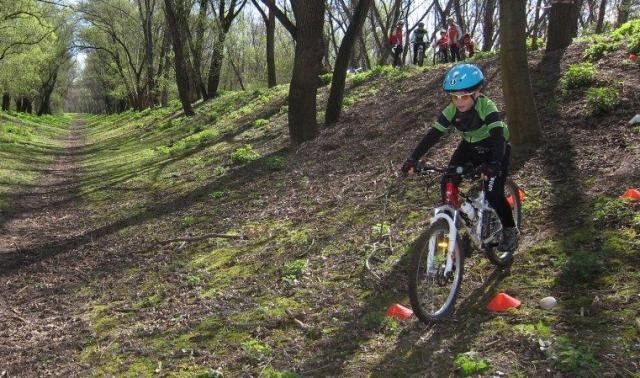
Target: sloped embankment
215, 247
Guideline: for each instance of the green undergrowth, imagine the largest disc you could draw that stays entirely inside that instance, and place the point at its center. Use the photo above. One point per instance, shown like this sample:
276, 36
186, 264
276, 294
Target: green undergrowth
27, 140
280, 269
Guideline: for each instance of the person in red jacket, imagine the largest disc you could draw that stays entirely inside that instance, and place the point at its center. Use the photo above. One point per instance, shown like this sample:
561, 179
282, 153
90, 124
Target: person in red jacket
395, 41
469, 45
454, 34
442, 45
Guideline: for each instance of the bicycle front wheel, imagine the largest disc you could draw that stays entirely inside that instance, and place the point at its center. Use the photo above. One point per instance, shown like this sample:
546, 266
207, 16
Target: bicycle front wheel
432, 291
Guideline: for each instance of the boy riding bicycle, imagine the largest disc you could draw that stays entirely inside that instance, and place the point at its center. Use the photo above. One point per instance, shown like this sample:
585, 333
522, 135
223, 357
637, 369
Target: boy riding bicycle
418, 40
484, 141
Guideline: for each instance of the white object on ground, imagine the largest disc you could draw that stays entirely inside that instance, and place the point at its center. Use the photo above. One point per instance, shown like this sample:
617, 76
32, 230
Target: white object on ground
635, 119
548, 303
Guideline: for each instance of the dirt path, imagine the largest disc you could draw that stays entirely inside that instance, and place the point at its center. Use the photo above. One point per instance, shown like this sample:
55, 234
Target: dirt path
41, 270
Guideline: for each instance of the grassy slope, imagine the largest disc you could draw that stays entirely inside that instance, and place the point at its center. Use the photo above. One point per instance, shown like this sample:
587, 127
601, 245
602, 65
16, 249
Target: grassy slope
27, 143
310, 217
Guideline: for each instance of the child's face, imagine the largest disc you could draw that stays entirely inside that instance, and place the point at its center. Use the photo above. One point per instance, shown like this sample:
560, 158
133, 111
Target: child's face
463, 101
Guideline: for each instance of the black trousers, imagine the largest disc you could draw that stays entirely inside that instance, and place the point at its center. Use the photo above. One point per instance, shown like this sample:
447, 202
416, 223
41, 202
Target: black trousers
455, 52
397, 53
478, 154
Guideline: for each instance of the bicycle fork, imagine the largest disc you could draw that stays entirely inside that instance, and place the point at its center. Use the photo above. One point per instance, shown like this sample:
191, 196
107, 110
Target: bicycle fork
451, 245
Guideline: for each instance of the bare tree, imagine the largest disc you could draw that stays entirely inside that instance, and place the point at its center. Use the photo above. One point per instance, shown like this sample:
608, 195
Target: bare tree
601, 12
269, 18
182, 76
624, 10
310, 47
487, 25
516, 85
224, 19
334, 104
563, 23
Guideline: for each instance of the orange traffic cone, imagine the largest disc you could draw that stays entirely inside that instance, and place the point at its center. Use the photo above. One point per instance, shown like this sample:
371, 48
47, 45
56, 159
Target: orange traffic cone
631, 194
521, 195
502, 302
399, 311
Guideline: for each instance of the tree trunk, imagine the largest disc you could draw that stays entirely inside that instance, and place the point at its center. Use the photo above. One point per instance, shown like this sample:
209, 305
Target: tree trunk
216, 65
6, 102
458, 12
624, 9
27, 105
563, 24
47, 89
536, 26
270, 26
334, 104
309, 15
182, 77
521, 110
487, 25
19, 108
148, 98
198, 47
601, 13
271, 57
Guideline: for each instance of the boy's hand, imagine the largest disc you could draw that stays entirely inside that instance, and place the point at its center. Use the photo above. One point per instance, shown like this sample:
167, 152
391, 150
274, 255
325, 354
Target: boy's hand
409, 167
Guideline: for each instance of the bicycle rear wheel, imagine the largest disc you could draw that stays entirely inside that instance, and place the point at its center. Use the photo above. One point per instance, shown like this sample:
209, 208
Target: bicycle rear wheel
433, 294
512, 196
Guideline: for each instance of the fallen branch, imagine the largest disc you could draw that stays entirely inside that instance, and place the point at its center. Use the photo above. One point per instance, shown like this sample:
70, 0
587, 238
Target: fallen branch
299, 322
201, 237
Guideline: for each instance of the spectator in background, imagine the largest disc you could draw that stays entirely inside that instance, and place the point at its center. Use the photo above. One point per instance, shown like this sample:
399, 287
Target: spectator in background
454, 34
469, 45
395, 41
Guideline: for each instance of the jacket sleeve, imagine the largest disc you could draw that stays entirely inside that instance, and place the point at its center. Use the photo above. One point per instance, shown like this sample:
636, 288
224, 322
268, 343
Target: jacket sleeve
432, 137
438, 129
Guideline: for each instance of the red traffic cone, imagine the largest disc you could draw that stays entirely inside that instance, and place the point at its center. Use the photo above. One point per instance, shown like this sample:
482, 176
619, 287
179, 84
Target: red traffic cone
502, 302
399, 311
631, 194
521, 195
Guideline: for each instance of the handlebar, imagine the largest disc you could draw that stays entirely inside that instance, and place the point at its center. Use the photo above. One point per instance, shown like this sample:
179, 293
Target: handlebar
467, 171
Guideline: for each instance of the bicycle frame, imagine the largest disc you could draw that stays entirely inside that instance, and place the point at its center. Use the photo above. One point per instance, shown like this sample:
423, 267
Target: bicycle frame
450, 212
482, 206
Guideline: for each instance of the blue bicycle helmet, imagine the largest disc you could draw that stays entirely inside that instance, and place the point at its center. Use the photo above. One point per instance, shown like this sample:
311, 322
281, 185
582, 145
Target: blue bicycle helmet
463, 77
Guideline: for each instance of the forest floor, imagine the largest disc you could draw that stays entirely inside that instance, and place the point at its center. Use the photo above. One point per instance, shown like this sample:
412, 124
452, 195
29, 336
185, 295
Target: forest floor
143, 244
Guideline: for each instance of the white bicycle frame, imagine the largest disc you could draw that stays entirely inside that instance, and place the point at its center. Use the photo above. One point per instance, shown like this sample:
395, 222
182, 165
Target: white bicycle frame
443, 212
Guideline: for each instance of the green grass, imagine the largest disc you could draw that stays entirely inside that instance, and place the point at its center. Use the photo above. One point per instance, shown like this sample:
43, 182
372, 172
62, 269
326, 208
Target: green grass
293, 295
25, 140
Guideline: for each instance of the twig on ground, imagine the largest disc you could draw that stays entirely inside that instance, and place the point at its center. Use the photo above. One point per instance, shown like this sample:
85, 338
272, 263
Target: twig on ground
201, 237
299, 322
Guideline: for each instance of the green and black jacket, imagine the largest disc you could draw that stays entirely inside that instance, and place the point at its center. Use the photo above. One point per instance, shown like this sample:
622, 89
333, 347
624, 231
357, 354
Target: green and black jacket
479, 126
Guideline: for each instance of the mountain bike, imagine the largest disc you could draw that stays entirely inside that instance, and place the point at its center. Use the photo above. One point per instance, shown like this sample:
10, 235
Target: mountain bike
437, 263
440, 56
420, 54
397, 55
